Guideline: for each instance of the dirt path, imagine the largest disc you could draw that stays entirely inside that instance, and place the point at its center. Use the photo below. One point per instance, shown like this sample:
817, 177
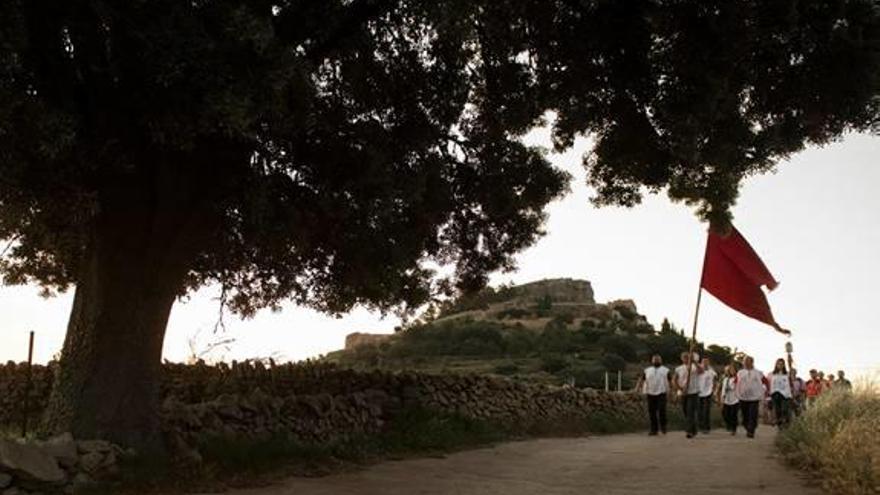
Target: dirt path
620, 464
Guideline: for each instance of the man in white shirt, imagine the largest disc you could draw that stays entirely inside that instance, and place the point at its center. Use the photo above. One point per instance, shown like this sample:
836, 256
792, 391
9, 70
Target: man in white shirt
707, 391
654, 383
751, 387
687, 383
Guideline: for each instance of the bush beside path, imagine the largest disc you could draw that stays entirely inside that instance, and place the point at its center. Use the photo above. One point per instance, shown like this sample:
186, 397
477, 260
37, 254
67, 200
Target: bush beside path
838, 441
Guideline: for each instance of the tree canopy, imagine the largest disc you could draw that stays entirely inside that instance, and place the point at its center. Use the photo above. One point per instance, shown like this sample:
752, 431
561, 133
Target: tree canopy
334, 152
327, 149
694, 96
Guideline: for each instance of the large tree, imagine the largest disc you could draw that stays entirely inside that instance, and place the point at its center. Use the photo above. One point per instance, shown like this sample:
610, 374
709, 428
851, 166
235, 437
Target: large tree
330, 151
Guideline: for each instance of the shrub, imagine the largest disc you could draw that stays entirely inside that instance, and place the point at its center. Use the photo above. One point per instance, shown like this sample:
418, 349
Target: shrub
553, 363
668, 344
507, 369
520, 341
558, 340
613, 362
588, 375
838, 439
544, 306
513, 313
721, 355
620, 345
559, 322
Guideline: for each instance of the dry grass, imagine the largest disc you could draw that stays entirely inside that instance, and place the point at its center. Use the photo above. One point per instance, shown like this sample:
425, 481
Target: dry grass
838, 441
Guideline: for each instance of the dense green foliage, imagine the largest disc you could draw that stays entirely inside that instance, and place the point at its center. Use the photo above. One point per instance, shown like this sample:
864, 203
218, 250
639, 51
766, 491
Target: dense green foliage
323, 150
567, 353
314, 150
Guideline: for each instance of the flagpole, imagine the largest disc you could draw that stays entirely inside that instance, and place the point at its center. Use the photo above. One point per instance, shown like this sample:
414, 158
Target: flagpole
693, 343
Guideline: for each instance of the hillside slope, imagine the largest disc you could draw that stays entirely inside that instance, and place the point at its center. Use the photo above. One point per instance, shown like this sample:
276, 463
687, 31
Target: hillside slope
549, 331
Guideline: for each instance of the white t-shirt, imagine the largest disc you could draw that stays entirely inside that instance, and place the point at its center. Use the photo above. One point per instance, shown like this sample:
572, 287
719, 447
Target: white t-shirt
707, 382
656, 380
779, 383
750, 384
681, 378
728, 391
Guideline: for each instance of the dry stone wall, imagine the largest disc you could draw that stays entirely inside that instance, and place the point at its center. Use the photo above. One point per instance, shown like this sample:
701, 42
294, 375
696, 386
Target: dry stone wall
319, 403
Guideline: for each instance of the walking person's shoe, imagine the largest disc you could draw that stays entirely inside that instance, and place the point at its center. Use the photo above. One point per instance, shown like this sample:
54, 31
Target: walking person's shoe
750, 434
652, 434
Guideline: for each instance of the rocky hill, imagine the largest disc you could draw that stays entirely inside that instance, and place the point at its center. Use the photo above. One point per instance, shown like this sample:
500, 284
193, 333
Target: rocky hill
548, 331
533, 306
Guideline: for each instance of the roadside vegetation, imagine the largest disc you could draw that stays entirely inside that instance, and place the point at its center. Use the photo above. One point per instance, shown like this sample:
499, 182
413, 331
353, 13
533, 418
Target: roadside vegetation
838, 441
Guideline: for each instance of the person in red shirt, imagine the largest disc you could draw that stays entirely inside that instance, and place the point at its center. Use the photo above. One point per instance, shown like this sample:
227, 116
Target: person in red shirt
814, 388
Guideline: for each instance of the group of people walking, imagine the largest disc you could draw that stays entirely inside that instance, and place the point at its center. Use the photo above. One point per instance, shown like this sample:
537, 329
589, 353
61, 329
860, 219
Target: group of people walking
740, 392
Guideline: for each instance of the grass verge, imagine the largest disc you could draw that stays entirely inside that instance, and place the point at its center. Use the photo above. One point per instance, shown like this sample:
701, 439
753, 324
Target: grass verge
838, 441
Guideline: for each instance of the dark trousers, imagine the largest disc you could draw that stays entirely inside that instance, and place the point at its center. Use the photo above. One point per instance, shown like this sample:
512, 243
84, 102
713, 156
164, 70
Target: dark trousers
689, 404
780, 409
729, 413
750, 415
705, 414
657, 412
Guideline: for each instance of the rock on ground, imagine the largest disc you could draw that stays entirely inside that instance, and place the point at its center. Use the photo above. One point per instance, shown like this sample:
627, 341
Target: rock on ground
29, 462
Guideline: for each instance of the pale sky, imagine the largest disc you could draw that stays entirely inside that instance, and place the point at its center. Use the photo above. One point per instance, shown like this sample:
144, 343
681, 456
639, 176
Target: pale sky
814, 223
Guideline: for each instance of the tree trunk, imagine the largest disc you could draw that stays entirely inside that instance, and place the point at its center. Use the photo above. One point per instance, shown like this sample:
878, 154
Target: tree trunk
108, 381
152, 222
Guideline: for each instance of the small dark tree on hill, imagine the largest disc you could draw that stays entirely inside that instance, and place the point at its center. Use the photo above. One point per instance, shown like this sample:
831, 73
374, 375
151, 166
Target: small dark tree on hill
621, 345
323, 151
613, 362
544, 305
720, 355
668, 343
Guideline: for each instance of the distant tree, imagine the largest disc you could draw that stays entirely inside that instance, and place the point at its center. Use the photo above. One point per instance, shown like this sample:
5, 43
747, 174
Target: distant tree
322, 152
720, 355
668, 344
553, 363
613, 362
544, 305
623, 346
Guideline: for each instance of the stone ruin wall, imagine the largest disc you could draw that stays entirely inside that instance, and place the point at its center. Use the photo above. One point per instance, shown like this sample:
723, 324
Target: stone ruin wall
358, 339
559, 289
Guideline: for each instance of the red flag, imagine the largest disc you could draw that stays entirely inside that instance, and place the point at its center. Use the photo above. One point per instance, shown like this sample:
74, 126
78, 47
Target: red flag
734, 274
